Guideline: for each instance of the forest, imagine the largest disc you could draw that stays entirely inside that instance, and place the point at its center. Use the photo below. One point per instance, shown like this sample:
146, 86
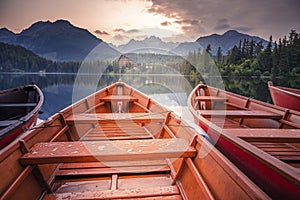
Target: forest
248, 58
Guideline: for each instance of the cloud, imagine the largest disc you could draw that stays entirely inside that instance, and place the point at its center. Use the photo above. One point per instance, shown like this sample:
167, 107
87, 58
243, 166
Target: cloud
222, 25
101, 32
132, 31
165, 23
187, 22
119, 30
206, 16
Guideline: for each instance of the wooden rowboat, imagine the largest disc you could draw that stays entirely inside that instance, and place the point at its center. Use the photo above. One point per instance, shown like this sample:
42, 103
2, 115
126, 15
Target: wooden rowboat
285, 97
118, 143
263, 140
19, 108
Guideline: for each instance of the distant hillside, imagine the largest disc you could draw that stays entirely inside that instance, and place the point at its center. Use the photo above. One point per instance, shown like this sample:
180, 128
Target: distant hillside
227, 40
17, 58
59, 41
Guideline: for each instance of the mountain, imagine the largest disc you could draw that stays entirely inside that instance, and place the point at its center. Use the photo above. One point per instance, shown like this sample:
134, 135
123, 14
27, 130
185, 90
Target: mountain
156, 45
59, 41
149, 45
227, 40
6, 35
184, 48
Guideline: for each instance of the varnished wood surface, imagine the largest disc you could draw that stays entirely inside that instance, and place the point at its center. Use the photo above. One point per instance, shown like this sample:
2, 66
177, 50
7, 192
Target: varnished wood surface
64, 152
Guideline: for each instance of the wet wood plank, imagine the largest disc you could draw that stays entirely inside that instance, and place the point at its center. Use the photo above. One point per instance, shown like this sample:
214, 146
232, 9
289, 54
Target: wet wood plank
240, 114
210, 98
116, 117
119, 193
70, 152
267, 135
119, 98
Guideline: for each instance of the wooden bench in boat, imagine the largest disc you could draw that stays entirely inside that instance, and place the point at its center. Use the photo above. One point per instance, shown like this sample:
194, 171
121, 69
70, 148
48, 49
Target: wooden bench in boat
119, 98
73, 152
119, 117
240, 114
267, 135
17, 104
210, 98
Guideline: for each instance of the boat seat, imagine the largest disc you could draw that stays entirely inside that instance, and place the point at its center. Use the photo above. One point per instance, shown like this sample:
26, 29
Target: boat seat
210, 98
17, 104
158, 192
267, 135
118, 117
240, 114
110, 98
7, 122
118, 150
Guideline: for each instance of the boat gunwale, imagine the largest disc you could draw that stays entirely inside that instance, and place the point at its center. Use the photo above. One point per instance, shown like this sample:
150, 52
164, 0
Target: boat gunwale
285, 90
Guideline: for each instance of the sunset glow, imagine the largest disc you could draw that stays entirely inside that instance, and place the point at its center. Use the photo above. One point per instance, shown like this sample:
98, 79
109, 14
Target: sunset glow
118, 21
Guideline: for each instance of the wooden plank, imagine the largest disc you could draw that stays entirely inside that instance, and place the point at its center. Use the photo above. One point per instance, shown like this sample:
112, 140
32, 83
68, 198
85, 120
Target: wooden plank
119, 193
18, 104
117, 150
119, 98
240, 114
267, 135
112, 170
210, 98
116, 117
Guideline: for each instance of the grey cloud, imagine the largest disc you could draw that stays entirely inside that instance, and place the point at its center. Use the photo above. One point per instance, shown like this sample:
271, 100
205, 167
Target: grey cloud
101, 32
261, 18
119, 30
166, 23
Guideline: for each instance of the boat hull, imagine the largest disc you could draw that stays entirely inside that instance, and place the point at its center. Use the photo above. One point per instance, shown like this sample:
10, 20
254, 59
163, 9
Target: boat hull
17, 112
285, 97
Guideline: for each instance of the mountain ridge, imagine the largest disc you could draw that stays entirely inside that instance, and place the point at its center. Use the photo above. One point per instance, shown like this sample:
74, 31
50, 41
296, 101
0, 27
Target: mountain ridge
58, 41
62, 41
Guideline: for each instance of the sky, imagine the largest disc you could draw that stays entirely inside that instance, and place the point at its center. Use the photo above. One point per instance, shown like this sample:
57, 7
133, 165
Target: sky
118, 21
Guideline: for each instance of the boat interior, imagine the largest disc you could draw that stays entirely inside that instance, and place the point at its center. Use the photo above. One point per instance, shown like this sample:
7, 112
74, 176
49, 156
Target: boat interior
16, 103
119, 144
273, 129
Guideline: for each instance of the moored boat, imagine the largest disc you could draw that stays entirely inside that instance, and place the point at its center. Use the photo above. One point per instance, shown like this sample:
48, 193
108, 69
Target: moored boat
285, 97
19, 108
263, 140
118, 143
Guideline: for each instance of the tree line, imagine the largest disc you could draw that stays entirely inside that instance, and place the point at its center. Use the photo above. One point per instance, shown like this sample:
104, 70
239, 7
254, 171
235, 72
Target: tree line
277, 59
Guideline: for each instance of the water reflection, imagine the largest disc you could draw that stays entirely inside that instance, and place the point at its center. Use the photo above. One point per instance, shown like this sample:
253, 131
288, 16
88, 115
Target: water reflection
58, 88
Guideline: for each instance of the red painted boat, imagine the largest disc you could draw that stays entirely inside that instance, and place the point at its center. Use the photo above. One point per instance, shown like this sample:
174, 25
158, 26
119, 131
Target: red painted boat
262, 140
19, 108
285, 97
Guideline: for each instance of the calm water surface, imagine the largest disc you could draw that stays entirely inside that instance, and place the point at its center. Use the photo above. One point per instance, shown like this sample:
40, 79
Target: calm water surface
60, 90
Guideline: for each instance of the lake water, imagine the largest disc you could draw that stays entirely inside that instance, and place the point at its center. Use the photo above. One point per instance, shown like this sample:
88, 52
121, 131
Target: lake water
61, 90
